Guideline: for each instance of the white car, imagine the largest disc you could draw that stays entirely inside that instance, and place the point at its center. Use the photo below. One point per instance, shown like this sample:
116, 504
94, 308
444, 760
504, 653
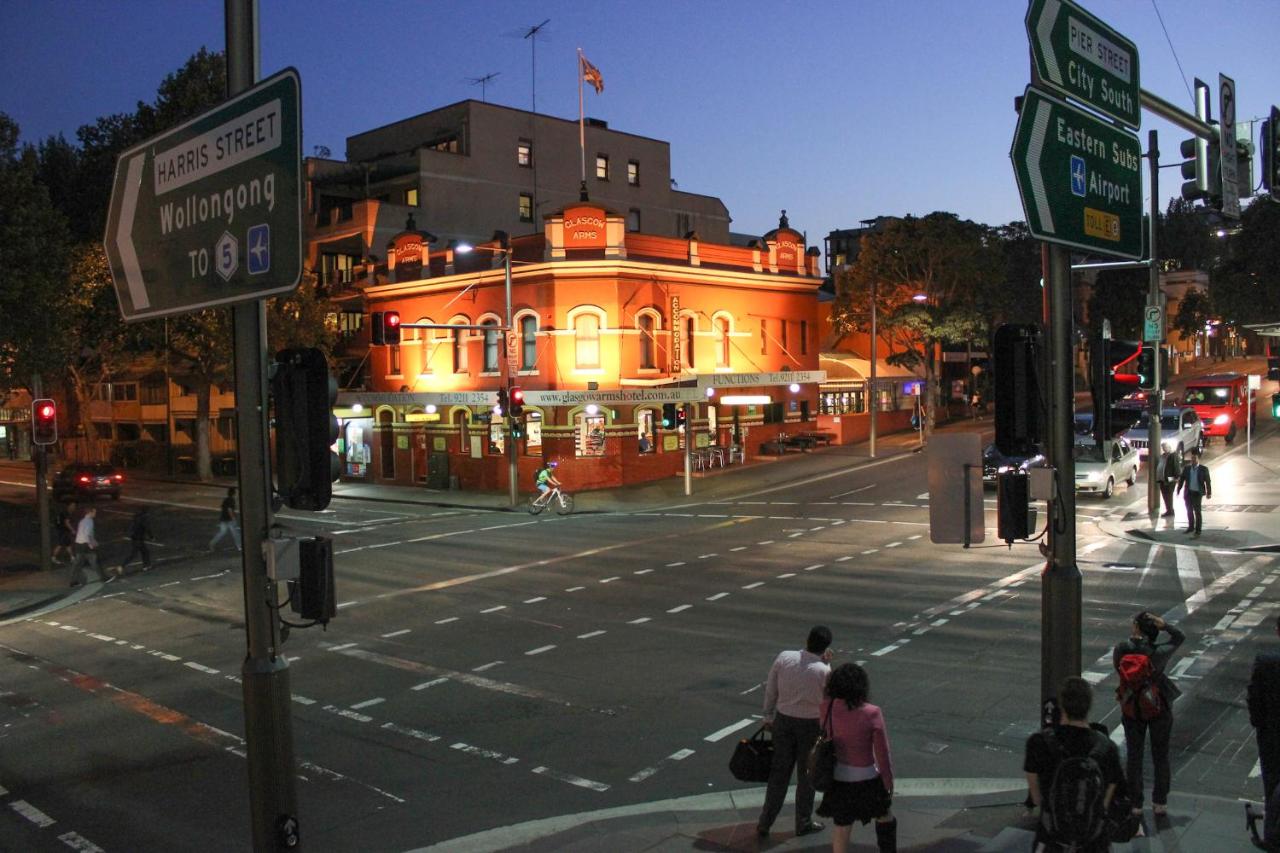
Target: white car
1180, 431
1098, 469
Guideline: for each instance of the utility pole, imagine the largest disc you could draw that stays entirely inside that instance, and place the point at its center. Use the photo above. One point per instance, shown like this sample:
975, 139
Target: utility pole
1155, 448
688, 449
265, 673
1061, 586
872, 401
40, 454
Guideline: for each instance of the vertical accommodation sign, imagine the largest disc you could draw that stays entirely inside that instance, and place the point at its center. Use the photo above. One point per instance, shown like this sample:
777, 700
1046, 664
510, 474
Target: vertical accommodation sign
676, 365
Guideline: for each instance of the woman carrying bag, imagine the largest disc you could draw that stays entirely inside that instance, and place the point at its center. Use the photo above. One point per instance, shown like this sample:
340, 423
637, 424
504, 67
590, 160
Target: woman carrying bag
863, 781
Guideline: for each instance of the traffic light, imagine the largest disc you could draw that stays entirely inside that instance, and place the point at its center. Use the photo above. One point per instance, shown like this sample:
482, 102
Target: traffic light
1147, 366
501, 409
668, 415
1114, 373
1275, 406
44, 421
1018, 417
1013, 506
312, 595
517, 429
306, 428
515, 398
681, 415
1195, 168
1271, 153
384, 328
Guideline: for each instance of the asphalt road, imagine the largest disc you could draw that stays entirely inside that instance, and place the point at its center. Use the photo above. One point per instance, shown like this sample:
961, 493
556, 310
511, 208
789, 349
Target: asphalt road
489, 668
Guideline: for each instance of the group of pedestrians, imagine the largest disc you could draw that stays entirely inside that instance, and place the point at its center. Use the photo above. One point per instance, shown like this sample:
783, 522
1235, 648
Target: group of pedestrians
1190, 477
1086, 796
77, 538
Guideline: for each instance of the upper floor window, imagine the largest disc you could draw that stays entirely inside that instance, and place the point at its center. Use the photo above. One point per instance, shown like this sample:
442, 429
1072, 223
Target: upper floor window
722, 342
411, 196
602, 167
153, 394
528, 342
783, 324
458, 341
633, 173
393, 360
447, 143
124, 391
586, 336
524, 153
690, 326
764, 337
633, 219
526, 207
646, 324
490, 346
350, 323
337, 268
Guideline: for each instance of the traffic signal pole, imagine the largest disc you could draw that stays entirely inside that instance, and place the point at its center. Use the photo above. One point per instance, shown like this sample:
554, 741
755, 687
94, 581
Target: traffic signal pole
40, 455
1060, 590
1155, 449
265, 672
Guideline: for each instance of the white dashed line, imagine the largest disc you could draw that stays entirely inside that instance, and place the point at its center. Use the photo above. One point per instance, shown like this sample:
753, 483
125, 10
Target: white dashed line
539, 650
589, 635
870, 551
571, 779
368, 703
575, 589
535, 599
765, 542
642, 571
673, 565
738, 548
446, 621
76, 841
892, 545
785, 575
610, 580
640, 621
487, 666
844, 558
399, 633
811, 568
32, 813
717, 596
707, 556
494, 609
303, 700
426, 684
199, 667
754, 585
680, 608
728, 730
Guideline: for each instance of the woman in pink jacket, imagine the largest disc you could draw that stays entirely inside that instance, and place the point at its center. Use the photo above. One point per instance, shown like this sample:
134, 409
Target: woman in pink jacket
863, 787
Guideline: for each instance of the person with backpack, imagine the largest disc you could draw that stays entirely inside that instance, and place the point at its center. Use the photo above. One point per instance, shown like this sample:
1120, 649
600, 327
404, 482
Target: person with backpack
545, 479
1146, 697
1073, 772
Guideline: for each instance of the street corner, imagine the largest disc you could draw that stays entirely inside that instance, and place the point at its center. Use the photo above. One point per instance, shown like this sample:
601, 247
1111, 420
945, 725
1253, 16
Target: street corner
19, 605
1221, 532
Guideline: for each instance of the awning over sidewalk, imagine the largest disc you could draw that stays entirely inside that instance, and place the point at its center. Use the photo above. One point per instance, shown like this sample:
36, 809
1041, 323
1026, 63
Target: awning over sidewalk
844, 368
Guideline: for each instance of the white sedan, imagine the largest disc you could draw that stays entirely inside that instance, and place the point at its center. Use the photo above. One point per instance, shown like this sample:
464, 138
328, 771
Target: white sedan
1099, 468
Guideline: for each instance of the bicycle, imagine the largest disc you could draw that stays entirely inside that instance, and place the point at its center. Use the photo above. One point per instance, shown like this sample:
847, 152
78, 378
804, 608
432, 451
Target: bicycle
564, 502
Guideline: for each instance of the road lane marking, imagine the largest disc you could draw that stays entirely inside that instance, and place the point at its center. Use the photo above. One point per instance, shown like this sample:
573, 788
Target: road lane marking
811, 568
446, 621
785, 575
410, 732
673, 565
854, 491
717, 596
680, 608
754, 585
571, 779
738, 548
399, 633
640, 621
610, 580
199, 667
498, 607
76, 841
539, 650
432, 683
535, 599
642, 572
844, 558
870, 551
368, 703
485, 667
341, 647
481, 752
765, 542
707, 556
575, 589
728, 730
894, 646
1188, 571
589, 635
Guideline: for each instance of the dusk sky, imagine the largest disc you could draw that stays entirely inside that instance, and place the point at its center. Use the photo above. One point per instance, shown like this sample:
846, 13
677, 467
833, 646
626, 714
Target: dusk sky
836, 111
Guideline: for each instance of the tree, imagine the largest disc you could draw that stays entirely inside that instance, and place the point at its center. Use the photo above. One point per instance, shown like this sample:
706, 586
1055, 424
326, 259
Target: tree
1185, 240
1194, 311
1119, 296
928, 273
1245, 286
1016, 297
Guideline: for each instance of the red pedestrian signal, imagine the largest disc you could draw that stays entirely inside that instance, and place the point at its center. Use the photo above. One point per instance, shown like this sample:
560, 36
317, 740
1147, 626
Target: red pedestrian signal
44, 421
384, 328
515, 398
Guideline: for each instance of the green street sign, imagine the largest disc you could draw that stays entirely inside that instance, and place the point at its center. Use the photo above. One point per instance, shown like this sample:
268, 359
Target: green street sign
1077, 55
210, 212
1080, 177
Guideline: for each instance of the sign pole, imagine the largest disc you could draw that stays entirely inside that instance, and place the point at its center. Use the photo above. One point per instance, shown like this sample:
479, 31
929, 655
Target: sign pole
40, 454
1156, 401
265, 672
1061, 587
688, 449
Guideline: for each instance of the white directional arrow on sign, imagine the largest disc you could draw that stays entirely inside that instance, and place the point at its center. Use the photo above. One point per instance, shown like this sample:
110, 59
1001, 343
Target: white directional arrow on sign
1039, 130
1044, 28
124, 235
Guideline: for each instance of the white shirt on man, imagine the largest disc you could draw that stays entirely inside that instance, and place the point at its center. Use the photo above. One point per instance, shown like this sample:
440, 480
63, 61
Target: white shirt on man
84, 532
795, 686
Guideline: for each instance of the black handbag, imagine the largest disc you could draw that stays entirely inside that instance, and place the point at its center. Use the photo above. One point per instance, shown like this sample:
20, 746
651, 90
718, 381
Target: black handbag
821, 763
753, 758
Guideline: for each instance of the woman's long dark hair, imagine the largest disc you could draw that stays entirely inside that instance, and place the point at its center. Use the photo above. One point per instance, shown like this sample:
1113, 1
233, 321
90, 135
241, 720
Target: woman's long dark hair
850, 683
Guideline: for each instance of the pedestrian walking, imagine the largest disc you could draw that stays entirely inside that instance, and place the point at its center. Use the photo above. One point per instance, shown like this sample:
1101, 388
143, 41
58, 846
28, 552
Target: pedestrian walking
862, 789
86, 547
227, 521
1146, 697
1167, 474
1264, 715
139, 533
1196, 481
64, 527
1073, 772
792, 696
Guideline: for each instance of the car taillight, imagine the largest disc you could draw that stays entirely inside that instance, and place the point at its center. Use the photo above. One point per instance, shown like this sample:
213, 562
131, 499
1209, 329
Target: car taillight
119, 478
85, 478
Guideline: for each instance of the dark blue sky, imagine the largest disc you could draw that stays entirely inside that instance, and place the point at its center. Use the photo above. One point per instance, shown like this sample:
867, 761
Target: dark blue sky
837, 111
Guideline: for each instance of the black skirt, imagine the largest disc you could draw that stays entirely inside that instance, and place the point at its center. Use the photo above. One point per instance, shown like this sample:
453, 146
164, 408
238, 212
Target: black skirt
862, 801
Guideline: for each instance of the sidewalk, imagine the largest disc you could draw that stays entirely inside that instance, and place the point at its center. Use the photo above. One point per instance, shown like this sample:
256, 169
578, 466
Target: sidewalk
27, 590
991, 822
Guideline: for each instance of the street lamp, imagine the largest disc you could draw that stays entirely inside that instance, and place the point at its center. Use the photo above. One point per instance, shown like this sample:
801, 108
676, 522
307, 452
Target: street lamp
505, 250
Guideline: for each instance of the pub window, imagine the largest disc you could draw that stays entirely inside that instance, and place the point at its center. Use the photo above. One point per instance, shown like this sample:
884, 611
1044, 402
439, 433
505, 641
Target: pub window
645, 324
411, 196
393, 355
690, 326
602, 167
524, 153
528, 343
633, 219
764, 337
533, 433
784, 335
633, 173
526, 207
458, 341
804, 337
588, 434
490, 346
645, 431
586, 336
722, 342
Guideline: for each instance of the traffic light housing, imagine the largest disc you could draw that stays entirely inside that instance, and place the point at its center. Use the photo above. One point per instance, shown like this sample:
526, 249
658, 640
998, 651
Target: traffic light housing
515, 399
1013, 506
312, 596
1195, 168
44, 421
503, 403
668, 415
1271, 154
306, 428
681, 416
1147, 366
1275, 406
384, 328
1019, 417
1114, 373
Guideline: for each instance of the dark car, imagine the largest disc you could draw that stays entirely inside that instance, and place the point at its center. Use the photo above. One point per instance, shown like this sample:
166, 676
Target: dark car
994, 462
88, 481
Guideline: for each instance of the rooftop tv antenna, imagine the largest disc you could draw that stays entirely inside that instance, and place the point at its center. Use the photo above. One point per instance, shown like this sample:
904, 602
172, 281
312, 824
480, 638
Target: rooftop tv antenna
483, 83
532, 35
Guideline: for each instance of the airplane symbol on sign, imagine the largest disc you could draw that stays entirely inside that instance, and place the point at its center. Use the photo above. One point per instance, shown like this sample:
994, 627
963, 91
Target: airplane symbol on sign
1077, 176
259, 249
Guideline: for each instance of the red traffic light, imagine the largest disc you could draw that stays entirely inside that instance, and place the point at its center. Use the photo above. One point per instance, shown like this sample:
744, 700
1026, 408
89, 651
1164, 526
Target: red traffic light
44, 421
46, 411
517, 395
392, 319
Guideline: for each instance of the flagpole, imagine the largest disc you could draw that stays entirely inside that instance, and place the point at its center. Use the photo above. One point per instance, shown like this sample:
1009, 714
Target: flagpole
582, 134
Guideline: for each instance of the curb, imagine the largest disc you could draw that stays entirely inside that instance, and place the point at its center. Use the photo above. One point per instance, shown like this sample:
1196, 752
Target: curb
74, 595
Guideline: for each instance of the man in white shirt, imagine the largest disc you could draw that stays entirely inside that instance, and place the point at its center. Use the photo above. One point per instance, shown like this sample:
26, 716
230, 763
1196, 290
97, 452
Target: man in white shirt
792, 698
86, 549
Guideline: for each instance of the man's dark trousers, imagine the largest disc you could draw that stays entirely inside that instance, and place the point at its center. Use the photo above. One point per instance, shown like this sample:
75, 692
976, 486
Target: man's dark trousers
1194, 517
793, 739
1269, 756
1135, 737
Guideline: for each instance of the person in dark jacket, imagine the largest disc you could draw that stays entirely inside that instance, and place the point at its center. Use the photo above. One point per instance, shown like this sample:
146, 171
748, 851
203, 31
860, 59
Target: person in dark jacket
139, 533
1264, 715
1196, 485
1143, 639
1169, 471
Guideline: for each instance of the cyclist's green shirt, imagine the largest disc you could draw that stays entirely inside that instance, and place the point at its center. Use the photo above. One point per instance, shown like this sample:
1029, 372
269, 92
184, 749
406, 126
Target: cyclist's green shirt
544, 475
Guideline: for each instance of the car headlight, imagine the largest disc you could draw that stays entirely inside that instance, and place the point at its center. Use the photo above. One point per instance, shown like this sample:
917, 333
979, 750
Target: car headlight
1095, 476
1222, 419
1004, 469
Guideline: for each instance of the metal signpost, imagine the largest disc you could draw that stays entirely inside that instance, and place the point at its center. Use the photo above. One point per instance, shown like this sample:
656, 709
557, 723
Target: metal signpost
208, 213
1227, 147
1080, 177
1077, 55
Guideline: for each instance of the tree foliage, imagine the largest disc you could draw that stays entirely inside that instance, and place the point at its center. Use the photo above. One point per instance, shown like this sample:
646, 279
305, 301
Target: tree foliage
1119, 296
1245, 285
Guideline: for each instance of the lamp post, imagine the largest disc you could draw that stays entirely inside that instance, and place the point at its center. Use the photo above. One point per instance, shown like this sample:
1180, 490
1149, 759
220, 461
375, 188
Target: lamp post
873, 401
512, 466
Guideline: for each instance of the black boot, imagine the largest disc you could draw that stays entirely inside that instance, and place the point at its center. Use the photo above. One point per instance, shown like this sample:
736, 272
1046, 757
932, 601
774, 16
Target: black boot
887, 836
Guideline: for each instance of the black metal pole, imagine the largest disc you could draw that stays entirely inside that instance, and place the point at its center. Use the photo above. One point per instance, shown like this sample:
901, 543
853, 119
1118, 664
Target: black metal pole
273, 797
1060, 601
1155, 447
40, 455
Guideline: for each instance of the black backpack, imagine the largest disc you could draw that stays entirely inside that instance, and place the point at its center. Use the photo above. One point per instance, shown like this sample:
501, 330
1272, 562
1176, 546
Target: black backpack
1072, 810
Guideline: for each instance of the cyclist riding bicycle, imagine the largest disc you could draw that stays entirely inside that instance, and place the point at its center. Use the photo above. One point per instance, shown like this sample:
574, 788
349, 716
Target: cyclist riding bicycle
546, 480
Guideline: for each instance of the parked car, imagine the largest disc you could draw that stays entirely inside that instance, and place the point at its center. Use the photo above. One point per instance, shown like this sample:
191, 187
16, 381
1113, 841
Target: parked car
1219, 400
80, 481
994, 462
1180, 431
1099, 468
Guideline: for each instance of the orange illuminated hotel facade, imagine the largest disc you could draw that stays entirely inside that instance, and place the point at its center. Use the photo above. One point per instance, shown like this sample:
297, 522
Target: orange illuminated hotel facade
609, 326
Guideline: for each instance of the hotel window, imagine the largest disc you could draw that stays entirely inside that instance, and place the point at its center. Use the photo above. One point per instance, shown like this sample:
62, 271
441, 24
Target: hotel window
633, 219
490, 347
528, 343
350, 323
645, 431
602, 167
337, 268
722, 342
411, 197
393, 355
586, 338
646, 325
533, 433
804, 337
784, 336
526, 207
690, 326
633, 173
458, 341
588, 434
124, 392
524, 153
764, 337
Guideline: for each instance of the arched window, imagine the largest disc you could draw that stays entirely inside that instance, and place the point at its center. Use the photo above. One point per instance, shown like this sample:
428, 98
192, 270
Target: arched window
490, 345
458, 341
690, 327
722, 341
528, 342
646, 324
586, 338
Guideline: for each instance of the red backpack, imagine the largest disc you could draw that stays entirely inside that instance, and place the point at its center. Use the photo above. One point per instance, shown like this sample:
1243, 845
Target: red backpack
1139, 693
